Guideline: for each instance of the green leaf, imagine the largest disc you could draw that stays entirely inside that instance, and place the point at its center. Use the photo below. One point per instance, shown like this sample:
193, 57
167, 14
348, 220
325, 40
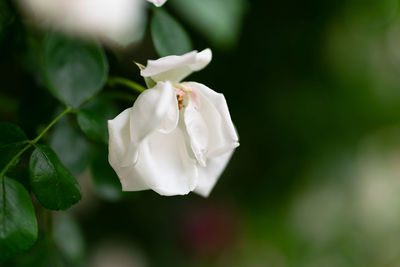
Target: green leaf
7, 152
169, 37
68, 237
20, 173
106, 182
10, 133
71, 146
41, 254
92, 119
219, 21
18, 225
53, 185
73, 71
12, 139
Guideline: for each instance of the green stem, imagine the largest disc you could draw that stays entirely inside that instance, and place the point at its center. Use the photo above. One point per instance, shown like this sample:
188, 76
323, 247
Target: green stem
32, 142
112, 81
66, 110
11, 162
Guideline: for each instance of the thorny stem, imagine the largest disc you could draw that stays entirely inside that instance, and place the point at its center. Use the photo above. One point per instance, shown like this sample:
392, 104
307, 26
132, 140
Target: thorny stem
112, 81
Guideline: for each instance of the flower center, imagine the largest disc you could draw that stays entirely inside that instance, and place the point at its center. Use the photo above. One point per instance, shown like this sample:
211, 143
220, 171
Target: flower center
181, 91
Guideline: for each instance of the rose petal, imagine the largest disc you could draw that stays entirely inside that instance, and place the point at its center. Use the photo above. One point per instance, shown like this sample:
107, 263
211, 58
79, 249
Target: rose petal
176, 68
208, 176
197, 131
119, 140
222, 136
170, 121
150, 109
154, 109
165, 165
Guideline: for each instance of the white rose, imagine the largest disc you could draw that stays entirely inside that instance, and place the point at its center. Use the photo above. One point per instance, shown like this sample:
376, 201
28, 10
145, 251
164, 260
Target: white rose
121, 21
178, 136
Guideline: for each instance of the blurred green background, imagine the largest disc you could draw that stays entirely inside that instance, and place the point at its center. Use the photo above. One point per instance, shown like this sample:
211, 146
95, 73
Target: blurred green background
314, 91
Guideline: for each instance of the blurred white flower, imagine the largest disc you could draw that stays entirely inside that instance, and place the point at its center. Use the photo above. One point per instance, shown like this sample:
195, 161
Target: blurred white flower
157, 2
177, 137
121, 21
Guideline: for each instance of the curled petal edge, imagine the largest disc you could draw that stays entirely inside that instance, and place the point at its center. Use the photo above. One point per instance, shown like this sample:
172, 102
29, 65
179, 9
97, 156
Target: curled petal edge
176, 68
